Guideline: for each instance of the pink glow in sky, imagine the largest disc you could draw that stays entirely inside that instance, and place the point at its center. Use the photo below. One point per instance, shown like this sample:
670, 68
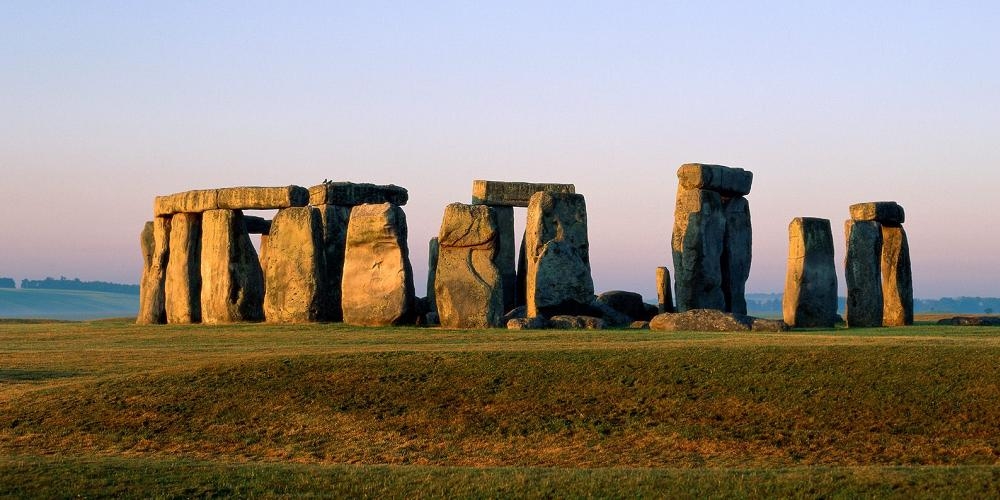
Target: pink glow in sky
104, 106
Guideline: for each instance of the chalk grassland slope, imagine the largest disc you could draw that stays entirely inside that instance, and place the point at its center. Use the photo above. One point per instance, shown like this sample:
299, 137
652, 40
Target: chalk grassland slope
246, 409
66, 304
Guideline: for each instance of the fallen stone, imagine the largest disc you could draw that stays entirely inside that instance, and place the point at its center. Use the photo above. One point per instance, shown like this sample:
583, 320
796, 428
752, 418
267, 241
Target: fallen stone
736, 254
512, 194
155, 243
639, 325
350, 194
971, 321
712, 320
234, 198
378, 280
294, 286
810, 298
864, 273
610, 315
183, 280
724, 180
629, 304
535, 323
769, 325
517, 312
884, 212
664, 295
334, 219
897, 278
232, 282
558, 255
468, 286
699, 228
568, 322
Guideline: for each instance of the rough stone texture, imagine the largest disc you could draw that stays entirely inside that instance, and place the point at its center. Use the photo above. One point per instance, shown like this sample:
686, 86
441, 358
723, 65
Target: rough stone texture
536, 323
864, 273
971, 321
639, 325
349, 194
433, 251
232, 282
810, 298
257, 225
610, 315
334, 219
293, 276
568, 322
378, 280
736, 254
521, 295
712, 320
724, 180
558, 255
517, 312
699, 229
897, 278
664, 295
468, 285
884, 212
628, 303
234, 198
155, 243
506, 258
512, 194
183, 282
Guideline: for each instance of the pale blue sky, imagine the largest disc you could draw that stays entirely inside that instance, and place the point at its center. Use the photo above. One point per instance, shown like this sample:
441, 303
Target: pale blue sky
104, 105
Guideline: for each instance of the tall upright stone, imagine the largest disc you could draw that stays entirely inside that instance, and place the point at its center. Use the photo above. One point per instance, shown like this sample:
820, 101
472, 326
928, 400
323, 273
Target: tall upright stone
232, 282
506, 258
468, 285
294, 286
558, 255
378, 280
864, 273
697, 243
155, 244
810, 298
433, 252
334, 219
183, 282
897, 278
737, 242
521, 292
664, 296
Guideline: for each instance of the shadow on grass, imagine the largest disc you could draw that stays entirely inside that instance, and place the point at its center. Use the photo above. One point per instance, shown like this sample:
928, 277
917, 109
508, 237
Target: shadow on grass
14, 375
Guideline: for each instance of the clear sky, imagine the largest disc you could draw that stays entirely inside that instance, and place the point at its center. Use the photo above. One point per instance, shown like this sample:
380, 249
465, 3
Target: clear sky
104, 105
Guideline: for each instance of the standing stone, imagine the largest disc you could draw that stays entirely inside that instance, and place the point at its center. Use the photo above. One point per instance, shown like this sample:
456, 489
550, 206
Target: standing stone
468, 285
293, 276
664, 296
155, 243
506, 258
897, 278
378, 280
521, 294
334, 219
697, 240
183, 283
558, 255
433, 250
864, 273
232, 282
736, 254
810, 298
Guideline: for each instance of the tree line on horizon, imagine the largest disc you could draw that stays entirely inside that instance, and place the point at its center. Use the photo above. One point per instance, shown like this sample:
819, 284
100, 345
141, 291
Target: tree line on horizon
759, 303
64, 283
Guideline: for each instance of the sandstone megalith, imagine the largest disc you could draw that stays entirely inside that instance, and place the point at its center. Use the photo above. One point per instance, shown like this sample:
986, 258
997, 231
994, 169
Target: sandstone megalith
737, 242
699, 229
232, 283
155, 243
433, 252
333, 219
468, 285
294, 273
183, 281
512, 194
664, 295
378, 281
558, 255
506, 258
864, 273
727, 181
883, 212
349, 194
233, 198
810, 298
897, 278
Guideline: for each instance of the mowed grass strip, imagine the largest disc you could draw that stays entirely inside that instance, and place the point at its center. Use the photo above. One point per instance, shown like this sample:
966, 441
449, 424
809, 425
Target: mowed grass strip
47, 477
684, 404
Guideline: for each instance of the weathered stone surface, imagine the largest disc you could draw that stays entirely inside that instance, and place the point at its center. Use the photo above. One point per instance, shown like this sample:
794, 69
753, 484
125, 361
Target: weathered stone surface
639, 325
569, 322
512, 194
468, 285
724, 180
155, 243
183, 282
628, 303
521, 295
506, 258
810, 298
517, 312
897, 278
699, 229
737, 242
293, 276
558, 255
378, 280
864, 273
334, 219
232, 282
664, 294
433, 251
257, 225
712, 320
884, 212
234, 198
536, 323
350, 194
610, 315
971, 321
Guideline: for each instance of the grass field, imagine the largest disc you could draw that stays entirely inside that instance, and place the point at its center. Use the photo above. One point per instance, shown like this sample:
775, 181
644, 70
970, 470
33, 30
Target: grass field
109, 408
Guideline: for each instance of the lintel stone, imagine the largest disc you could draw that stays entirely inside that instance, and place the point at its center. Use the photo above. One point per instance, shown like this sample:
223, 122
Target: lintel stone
512, 194
232, 198
349, 194
726, 181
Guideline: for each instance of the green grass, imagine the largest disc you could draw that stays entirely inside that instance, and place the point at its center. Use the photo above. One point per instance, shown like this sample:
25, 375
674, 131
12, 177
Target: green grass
109, 408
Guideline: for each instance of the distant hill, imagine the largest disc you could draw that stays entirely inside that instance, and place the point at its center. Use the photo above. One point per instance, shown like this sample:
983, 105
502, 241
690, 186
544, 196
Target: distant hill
64, 283
66, 304
770, 304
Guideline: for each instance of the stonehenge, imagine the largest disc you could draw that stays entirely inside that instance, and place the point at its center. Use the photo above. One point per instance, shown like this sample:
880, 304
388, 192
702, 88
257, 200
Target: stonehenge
468, 285
810, 298
879, 277
377, 287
